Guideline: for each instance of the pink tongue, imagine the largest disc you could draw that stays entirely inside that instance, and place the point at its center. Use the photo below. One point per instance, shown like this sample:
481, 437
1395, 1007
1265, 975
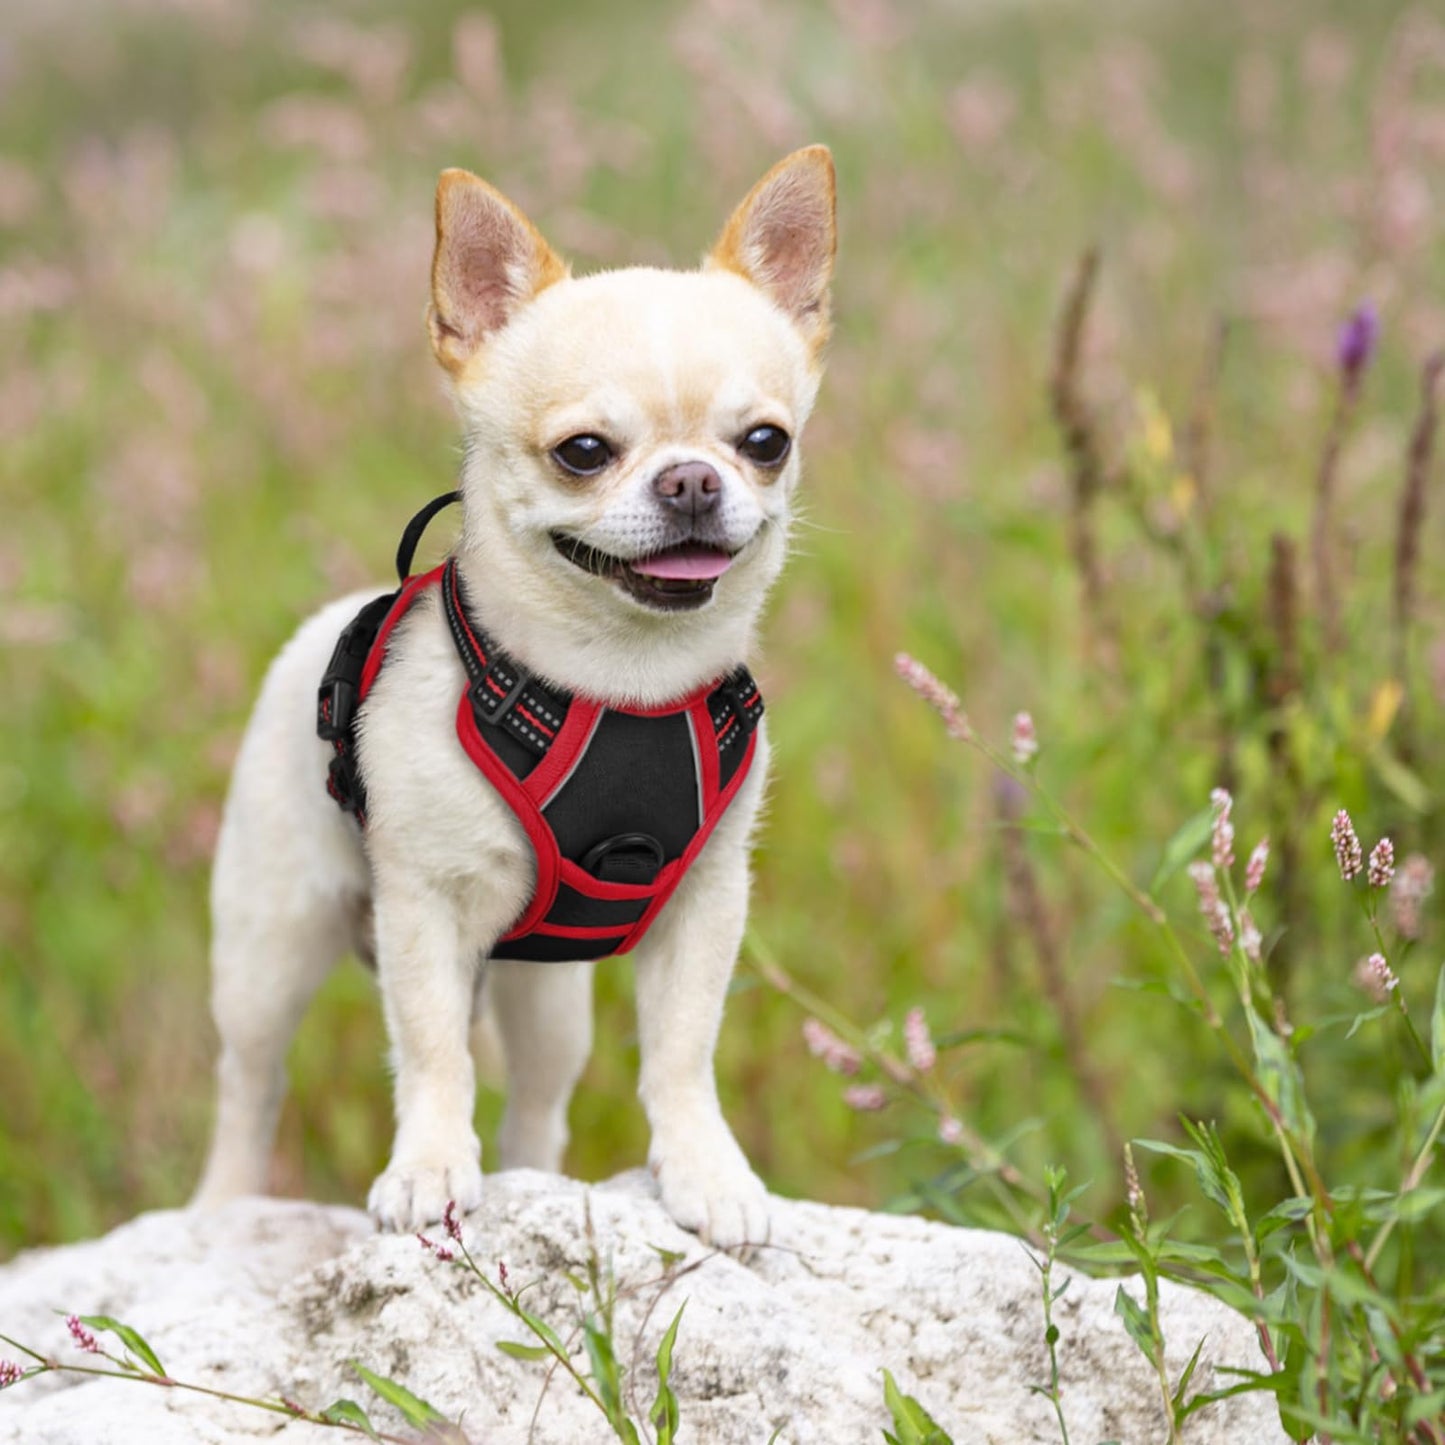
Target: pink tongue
687, 563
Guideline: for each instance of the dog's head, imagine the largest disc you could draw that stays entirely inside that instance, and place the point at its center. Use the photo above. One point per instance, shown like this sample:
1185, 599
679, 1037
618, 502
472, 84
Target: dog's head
632, 436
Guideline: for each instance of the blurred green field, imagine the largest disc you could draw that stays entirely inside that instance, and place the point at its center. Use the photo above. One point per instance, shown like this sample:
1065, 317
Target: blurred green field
219, 408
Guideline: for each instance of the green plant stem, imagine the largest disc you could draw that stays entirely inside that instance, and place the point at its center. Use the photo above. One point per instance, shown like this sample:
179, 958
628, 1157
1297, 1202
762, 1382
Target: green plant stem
995, 1170
1411, 1182
510, 1302
1397, 993
145, 1377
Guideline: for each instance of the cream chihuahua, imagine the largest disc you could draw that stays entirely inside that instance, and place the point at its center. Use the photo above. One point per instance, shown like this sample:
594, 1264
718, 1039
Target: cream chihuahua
630, 461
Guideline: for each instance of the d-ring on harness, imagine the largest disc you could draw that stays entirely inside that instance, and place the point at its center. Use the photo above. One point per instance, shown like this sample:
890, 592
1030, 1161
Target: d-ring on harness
617, 802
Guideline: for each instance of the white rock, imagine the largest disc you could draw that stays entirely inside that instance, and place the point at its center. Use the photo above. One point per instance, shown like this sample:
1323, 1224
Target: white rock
271, 1297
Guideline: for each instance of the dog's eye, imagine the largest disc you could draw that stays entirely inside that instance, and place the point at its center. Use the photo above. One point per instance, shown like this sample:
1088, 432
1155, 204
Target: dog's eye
766, 445
583, 456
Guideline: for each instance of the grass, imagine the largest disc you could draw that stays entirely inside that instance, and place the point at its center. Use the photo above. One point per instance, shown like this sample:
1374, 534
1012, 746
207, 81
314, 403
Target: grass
221, 409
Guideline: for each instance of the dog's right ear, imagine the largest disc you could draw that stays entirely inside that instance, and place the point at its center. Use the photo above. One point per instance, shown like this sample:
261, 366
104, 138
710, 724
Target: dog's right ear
490, 260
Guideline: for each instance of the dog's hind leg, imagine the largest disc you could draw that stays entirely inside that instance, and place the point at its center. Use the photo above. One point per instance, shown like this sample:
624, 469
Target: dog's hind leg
287, 900
266, 969
544, 1016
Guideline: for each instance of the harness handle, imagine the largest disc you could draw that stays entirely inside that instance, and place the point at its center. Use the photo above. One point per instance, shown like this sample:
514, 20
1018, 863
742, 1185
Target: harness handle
414, 529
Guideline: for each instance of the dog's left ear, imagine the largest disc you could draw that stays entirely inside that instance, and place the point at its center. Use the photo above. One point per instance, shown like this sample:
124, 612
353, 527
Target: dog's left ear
783, 238
490, 260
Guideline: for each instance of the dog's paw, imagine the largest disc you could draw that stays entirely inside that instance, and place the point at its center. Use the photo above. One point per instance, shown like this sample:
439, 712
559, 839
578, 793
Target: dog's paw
408, 1197
716, 1196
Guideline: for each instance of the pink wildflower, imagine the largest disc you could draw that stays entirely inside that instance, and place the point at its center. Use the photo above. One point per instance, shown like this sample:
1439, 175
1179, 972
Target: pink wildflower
942, 699
950, 1130
1025, 739
1254, 869
1376, 977
919, 1042
1348, 852
1382, 864
1134, 1192
440, 1250
82, 1336
865, 1098
450, 1222
1412, 885
824, 1044
502, 1274
1249, 936
10, 1373
1223, 838
1212, 906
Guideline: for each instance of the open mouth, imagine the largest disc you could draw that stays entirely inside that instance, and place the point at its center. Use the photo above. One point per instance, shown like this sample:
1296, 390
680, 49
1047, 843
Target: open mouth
673, 580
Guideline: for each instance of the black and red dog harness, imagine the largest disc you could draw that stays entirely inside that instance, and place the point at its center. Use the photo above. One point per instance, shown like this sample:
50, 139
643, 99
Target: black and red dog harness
617, 802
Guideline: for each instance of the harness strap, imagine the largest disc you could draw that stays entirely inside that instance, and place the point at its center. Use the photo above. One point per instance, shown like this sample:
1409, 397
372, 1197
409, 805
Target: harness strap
503, 693
411, 538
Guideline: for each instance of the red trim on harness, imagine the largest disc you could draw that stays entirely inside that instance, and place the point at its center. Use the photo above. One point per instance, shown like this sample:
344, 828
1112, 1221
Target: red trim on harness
515, 795
582, 932
399, 609
576, 729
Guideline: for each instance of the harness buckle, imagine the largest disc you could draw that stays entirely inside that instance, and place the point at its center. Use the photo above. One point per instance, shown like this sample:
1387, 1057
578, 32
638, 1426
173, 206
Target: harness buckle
494, 696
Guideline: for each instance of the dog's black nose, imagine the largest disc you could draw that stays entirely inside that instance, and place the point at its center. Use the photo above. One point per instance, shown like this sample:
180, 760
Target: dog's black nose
691, 487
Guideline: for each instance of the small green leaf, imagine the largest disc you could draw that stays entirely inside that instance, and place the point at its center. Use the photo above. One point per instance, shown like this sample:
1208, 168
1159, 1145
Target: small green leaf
1136, 1322
414, 1410
129, 1337
518, 1351
1181, 1392
1405, 784
543, 1331
1281, 1077
348, 1412
665, 1413
1186, 842
669, 1257
914, 1424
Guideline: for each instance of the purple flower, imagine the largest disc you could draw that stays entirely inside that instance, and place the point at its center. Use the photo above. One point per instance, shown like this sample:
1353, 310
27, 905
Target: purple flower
1249, 936
10, 1373
1382, 864
824, 1044
918, 1041
1348, 853
1376, 977
865, 1098
82, 1336
451, 1223
1357, 340
1222, 842
950, 1130
1254, 869
1412, 885
432, 1247
1025, 739
1212, 906
935, 693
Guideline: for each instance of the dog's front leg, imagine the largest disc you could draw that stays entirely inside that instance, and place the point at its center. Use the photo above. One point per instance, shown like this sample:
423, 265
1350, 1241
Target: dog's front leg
427, 968
683, 968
